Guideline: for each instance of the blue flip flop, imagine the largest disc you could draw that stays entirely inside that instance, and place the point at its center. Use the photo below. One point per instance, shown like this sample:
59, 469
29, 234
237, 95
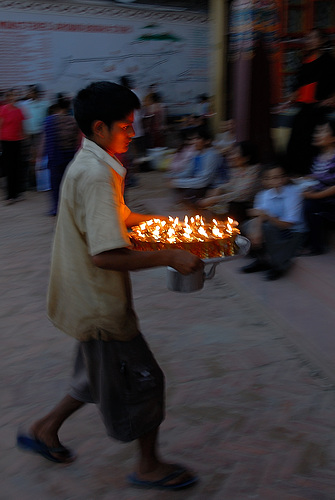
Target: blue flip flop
161, 484
29, 443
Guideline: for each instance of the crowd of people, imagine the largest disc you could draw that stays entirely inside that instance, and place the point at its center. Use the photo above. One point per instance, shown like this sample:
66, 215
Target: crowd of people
39, 138
89, 294
288, 206
214, 173
282, 214
36, 135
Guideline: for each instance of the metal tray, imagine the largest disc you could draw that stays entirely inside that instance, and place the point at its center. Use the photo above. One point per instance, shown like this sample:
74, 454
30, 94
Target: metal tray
243, 248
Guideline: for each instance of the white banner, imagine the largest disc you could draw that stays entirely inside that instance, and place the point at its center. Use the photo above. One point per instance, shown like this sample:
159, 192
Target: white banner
63, 47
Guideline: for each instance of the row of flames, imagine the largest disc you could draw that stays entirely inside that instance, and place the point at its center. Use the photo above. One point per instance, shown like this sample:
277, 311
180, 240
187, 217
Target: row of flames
193, 229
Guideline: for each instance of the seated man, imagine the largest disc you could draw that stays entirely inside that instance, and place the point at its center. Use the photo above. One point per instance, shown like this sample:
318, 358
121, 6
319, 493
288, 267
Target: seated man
277, 229
194, 181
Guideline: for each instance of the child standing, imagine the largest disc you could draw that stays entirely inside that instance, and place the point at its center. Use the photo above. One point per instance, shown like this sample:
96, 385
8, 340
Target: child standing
90, 295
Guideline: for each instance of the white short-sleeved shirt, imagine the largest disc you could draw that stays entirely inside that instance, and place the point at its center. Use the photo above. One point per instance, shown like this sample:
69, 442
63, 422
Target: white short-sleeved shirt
286, 204
85, 301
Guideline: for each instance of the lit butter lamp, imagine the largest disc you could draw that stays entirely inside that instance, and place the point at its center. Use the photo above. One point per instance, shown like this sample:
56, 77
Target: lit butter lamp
206, 240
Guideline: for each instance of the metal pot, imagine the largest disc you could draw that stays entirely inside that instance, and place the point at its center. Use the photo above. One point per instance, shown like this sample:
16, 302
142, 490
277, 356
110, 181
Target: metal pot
193, 282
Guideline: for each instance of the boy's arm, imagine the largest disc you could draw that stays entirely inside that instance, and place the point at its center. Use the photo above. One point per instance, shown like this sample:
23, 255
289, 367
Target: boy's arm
281, 224
262, 216
124, 259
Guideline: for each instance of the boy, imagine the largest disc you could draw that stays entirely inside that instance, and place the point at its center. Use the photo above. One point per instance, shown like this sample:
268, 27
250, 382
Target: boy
277, 229
90, 297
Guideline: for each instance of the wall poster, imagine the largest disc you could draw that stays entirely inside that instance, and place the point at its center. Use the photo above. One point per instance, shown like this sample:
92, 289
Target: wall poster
64, 46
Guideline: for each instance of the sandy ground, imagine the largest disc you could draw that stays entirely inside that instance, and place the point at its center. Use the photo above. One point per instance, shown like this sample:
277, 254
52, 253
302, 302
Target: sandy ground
245, 409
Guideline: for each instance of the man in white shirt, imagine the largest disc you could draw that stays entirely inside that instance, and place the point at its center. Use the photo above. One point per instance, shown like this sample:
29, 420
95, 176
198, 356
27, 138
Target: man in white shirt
277, 228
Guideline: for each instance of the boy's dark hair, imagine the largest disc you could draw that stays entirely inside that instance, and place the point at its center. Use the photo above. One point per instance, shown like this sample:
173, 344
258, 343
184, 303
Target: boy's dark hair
105, 101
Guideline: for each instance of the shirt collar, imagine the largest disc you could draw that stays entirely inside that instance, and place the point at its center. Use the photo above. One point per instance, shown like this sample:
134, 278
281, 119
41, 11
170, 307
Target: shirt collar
273, 193
112, 161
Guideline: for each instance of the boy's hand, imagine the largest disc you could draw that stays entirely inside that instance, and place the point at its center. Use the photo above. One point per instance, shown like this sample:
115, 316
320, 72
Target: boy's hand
185, 262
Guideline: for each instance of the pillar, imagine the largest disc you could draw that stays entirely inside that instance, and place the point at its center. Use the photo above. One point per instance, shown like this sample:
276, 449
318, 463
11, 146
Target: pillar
218, 13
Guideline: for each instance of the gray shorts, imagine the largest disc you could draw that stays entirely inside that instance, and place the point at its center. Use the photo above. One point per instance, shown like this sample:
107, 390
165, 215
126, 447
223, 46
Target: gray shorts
124, 380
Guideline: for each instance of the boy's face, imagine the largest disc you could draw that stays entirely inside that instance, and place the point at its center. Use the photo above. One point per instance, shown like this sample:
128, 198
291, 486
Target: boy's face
274, 178
116, 139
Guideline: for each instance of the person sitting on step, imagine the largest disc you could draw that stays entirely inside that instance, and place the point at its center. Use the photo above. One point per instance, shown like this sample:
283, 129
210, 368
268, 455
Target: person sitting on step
276, 230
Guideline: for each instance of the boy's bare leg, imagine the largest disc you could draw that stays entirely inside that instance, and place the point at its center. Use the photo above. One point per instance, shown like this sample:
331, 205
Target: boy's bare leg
150, 467
46, 429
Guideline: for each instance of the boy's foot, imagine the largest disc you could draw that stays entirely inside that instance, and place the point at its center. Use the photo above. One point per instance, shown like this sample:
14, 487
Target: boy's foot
58, 454
175, 477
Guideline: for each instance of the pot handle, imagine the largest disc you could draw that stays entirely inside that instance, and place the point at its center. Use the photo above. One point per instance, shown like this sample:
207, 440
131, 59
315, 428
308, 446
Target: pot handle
210, 274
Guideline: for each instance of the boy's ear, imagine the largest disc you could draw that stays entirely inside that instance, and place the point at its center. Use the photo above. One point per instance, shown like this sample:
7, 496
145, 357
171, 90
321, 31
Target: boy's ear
98, 128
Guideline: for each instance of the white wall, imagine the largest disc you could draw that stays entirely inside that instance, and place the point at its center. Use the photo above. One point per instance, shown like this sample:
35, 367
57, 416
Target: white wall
64, 46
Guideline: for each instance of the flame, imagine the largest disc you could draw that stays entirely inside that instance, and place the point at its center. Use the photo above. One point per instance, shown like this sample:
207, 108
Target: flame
191, 230
216, 232
204, 239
